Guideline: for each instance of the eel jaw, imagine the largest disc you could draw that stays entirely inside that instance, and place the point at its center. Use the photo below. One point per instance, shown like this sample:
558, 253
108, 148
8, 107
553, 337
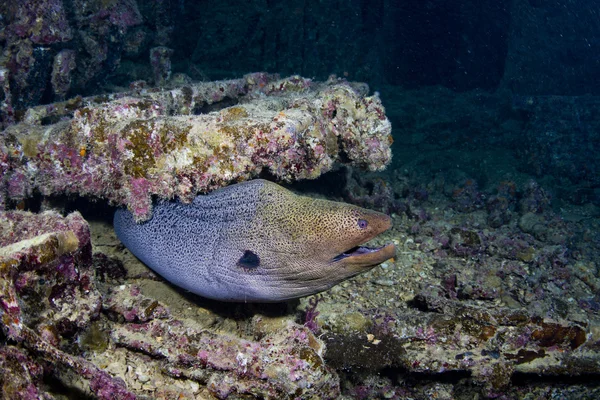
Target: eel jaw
362, 258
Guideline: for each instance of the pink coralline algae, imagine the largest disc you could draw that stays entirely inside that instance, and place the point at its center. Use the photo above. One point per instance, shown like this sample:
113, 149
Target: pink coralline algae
288, 363
59, 323
44, 40
130, 146
24, 374
123, 13
47, 294
42, 21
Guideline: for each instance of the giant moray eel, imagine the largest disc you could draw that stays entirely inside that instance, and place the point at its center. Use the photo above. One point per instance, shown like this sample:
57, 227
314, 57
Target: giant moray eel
256, 241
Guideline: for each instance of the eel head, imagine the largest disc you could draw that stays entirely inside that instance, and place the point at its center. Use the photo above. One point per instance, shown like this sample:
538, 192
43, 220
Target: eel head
319, 242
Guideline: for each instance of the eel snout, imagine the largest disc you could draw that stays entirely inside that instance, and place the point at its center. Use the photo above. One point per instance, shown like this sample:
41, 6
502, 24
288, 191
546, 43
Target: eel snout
360, 258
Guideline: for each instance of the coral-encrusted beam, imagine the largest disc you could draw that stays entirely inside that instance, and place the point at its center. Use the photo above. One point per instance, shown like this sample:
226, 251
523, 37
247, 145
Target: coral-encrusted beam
194, 138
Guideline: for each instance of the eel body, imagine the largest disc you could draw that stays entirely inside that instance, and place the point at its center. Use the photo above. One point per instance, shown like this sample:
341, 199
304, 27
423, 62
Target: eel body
255, 241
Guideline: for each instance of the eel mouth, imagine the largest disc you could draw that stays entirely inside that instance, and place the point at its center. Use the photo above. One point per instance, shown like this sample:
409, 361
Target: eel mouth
363, 256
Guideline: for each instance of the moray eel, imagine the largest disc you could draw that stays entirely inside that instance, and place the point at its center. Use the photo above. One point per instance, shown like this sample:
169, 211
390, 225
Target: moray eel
255, 241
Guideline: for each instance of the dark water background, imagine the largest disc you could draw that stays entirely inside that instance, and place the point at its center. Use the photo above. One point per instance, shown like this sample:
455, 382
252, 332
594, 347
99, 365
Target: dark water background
494, 105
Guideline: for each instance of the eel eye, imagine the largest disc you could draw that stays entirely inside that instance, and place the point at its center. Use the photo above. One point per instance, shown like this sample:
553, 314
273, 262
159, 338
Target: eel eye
362, 223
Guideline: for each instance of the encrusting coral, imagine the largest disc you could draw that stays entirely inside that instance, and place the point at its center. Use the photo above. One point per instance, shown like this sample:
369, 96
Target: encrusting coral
47, 294
59, 324
127, 147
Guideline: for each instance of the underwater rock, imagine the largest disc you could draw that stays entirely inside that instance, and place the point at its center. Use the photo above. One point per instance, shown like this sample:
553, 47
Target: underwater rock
160, 60
45, 273
62, 69
441, 335
50, 305
128, 147
285, 363
468, 197
7, 112
47, 295
21, 377
44, 22
42, 39
370, 192
34, 28
501, 204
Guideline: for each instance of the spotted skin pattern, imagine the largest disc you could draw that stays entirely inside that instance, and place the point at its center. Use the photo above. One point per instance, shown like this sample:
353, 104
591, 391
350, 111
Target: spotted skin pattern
255, 241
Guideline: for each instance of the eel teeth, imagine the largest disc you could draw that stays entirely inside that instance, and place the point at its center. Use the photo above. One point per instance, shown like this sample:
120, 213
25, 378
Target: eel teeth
356, 251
